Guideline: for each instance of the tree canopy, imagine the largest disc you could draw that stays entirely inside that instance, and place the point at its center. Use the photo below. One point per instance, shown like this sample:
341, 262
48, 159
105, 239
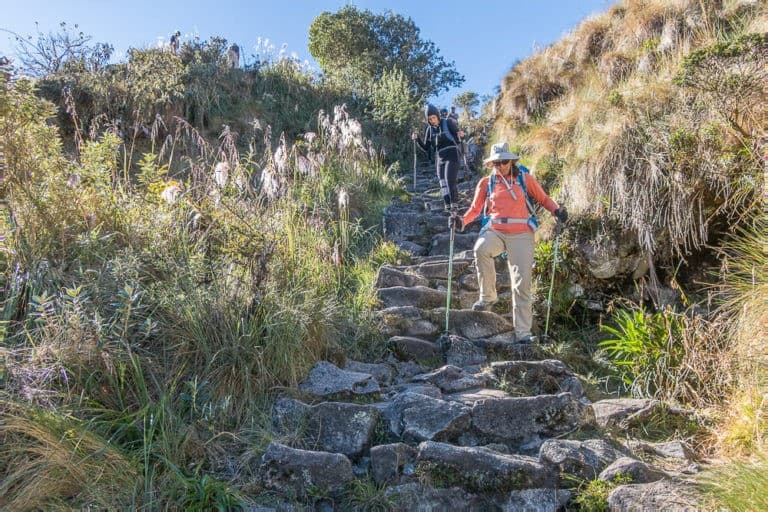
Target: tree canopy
356, 47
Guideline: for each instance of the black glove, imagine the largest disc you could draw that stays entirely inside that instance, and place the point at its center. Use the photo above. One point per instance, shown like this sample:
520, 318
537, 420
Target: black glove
455, 222
561, 214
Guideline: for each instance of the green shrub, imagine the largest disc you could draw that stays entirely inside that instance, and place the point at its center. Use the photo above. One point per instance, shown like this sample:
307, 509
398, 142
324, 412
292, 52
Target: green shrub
644, 347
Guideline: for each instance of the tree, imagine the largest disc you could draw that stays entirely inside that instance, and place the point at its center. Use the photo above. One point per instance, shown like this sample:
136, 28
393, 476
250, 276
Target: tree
467, 101
355, 48
64, 50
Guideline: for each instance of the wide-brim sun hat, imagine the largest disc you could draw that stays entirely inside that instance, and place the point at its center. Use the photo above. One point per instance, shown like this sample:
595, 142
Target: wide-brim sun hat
500, 151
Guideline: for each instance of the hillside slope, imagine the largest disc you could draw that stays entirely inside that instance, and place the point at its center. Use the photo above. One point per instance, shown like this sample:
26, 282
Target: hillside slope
651, 119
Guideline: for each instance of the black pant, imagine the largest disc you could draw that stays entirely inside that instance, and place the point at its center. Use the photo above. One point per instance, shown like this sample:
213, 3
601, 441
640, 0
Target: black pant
447, 166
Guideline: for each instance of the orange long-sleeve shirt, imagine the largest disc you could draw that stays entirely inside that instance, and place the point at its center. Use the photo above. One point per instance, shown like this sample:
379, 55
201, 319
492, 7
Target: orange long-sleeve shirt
502, 204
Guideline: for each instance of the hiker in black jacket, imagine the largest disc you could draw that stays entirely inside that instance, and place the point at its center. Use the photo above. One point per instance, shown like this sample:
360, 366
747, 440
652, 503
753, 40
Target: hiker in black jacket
442, 138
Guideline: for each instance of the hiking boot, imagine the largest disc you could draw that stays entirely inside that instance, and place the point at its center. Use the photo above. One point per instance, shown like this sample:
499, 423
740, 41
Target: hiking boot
526, 339
482, 305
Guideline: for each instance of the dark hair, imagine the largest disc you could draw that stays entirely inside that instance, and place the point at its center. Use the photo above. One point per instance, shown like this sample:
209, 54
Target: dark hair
430, 110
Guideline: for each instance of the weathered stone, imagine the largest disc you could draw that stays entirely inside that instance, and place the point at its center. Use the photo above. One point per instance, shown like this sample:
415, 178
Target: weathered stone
536, 500
584, 459
481, 470
406, 321
381, 372
473, 396
417, 417
415, 497
473, 324
412, 247
673, 450
404, 370
409, 348
389, 460
667, 495
638, 471
462, 242
504, 346
401, 225
389, 276
523, 422
439, 269
548, 376
301, 470
417, 296
287, 415
327, 379
451, 379
610, 412
423, 389
329, 426
612, 255
461, 351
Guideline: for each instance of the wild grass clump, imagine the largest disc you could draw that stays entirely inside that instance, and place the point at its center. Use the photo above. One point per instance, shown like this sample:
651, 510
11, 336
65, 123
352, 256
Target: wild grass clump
54, 461
738, 485
668, 355
743, 286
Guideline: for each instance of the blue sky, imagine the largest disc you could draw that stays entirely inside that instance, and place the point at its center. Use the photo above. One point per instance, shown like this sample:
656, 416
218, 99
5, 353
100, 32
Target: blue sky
484, 38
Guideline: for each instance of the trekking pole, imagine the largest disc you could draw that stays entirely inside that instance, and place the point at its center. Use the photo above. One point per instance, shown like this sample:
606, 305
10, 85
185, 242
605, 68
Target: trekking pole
558, 231
450, 278
414, 166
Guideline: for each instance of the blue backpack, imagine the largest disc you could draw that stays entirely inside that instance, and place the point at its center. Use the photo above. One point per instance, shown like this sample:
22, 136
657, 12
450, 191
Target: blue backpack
485, 220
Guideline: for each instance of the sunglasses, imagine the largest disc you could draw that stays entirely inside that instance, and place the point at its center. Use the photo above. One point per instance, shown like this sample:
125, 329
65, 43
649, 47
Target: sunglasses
501, 162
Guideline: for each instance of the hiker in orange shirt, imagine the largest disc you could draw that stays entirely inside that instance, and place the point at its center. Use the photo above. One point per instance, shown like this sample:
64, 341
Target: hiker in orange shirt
504, 201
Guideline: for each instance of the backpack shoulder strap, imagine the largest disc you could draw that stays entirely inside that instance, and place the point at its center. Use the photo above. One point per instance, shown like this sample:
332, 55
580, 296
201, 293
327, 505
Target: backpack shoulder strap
489, 191
447, 129
521, 179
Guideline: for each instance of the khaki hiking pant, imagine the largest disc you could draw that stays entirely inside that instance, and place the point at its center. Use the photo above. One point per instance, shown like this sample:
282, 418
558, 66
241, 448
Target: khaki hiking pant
519, 248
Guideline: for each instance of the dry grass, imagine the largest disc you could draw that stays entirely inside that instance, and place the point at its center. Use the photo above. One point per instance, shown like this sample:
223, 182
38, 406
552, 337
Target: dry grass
744, 427
50, 456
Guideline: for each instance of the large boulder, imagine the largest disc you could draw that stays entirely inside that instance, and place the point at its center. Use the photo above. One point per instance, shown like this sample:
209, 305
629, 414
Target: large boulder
536, 500
473, 324
402, 224
327, 379
672, 495
638, 471
461, 242
614, 254
416, 497
381, 372
300, 471
524, 422
418, 296
406, 321
417, 417
480, 469
461, 351
548, 376
452, 379
411, 348
439, 269
584, 459
389, 276
611, 412
390, 461
329, 426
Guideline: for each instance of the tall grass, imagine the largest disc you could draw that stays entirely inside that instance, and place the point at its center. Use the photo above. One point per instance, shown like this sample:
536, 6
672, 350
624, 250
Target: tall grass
744, 287
152, 332
738, 486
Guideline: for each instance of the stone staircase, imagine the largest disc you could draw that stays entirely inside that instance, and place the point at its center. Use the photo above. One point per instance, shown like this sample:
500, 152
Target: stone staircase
459, 420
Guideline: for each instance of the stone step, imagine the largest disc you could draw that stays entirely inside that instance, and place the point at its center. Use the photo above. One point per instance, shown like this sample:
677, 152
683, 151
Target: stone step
482, 470
421, 297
